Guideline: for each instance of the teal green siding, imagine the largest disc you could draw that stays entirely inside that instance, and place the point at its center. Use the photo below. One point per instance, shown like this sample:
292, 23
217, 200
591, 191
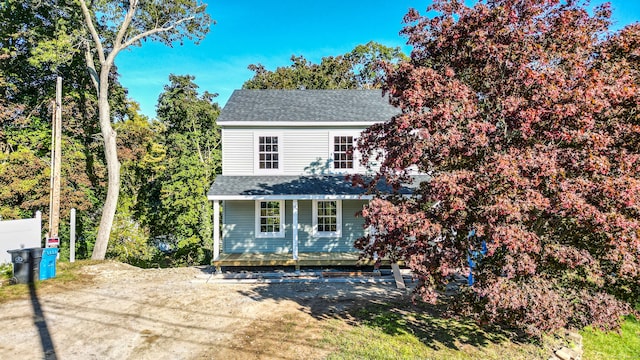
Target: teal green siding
351, 229
238, 230
352, 225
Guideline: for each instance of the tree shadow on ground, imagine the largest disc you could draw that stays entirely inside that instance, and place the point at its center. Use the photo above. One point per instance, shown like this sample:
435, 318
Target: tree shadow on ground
381, 306
428, 323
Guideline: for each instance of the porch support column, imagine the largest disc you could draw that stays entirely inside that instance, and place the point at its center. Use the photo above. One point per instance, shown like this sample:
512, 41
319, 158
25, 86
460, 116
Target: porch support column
216, 230
295, 230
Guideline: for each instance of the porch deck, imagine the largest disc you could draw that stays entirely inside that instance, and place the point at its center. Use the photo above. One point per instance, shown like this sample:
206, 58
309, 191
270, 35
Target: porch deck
304, 259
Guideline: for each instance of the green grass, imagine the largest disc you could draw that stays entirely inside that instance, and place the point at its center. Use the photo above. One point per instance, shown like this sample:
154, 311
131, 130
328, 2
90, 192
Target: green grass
5, 272
612, 345
402, 331
68, 275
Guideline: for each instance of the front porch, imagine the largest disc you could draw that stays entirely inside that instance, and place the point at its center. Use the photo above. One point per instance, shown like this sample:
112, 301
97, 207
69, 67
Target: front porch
304, 259
286, 231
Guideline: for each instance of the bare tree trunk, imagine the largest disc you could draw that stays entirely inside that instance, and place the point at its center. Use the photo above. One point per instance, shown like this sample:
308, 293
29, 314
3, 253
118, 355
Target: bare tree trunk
106, 59
113, 167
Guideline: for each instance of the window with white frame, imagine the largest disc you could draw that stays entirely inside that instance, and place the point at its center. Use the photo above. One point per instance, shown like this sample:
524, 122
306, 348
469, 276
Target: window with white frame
327, 218
270, 218
343, 152
268, 153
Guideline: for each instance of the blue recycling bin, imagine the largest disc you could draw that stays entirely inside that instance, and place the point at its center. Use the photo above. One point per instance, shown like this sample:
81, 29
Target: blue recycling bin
48, 263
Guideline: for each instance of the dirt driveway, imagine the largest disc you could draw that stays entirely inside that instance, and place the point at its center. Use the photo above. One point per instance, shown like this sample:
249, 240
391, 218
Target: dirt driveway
131, 313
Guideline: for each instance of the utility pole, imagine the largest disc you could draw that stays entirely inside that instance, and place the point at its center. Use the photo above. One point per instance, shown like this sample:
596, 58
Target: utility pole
56, 163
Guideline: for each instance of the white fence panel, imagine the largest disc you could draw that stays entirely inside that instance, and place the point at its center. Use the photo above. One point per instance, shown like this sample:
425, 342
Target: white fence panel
18, 234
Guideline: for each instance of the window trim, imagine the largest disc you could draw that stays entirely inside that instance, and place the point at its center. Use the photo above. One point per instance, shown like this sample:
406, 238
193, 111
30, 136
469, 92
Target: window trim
314, 215
256, 153
355, 155
263, 235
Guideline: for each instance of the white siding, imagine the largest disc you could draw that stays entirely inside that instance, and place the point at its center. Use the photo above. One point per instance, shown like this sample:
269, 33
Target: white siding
305, 150
237, 151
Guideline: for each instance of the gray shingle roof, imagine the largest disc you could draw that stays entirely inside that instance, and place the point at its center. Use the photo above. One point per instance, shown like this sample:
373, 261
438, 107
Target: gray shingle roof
291, 185
307, 105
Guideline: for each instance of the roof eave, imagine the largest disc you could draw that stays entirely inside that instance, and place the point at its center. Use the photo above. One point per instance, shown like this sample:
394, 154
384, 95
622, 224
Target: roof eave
291, 197
298, 123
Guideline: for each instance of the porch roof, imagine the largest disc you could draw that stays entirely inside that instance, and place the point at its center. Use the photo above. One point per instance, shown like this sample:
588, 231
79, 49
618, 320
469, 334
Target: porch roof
294, 187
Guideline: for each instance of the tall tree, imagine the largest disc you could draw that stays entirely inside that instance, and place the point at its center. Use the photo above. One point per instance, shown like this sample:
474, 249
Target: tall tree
113, 26
366, 63
183, 111
331, 73
525, 114
175, 203
31, 35
357, 69
129, 239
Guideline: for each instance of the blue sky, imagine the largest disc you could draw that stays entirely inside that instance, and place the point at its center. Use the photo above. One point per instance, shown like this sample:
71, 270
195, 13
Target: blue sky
269, 32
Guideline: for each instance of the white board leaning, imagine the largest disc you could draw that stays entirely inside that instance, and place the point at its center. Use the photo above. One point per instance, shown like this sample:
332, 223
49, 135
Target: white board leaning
19, 234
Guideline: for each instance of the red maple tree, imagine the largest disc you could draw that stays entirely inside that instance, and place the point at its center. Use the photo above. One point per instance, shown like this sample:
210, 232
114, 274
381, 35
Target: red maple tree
526, 116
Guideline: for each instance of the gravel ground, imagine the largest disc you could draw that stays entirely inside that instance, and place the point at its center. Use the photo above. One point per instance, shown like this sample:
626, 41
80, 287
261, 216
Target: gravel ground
131, 313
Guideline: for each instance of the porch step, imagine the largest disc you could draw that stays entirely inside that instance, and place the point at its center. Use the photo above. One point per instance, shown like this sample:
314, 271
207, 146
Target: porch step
265, 275
355, 277
352, 280
329, 274
304, 259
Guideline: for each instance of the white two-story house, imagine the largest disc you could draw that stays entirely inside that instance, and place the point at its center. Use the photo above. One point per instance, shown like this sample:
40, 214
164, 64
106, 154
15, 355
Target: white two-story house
283, 198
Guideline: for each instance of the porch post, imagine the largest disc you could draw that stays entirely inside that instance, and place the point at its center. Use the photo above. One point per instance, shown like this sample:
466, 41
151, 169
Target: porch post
295, 230
216, 230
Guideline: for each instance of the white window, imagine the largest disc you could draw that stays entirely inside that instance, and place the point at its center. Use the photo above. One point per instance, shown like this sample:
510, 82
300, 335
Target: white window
269, 218
343, 152
327, 218
268, 157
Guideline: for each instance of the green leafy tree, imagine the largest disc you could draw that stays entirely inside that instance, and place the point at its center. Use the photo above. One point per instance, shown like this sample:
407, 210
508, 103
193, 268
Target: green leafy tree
525, 115
179, 167
366, 63
129, 239
331, 73
359, 68
183, 111
110, 27
27, 81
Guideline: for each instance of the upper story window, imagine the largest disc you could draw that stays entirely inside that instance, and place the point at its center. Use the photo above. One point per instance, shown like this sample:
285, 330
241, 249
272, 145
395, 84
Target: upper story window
269, 219
342, 152
327, 218
268, 153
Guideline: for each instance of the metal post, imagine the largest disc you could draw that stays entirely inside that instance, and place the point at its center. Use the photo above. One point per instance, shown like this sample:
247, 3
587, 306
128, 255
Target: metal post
38, 217
72, 236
